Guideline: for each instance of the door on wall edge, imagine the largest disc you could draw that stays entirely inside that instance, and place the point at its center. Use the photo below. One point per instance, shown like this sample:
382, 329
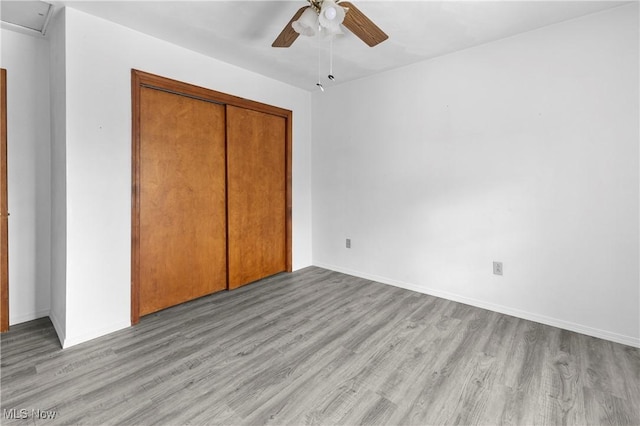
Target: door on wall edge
4, 213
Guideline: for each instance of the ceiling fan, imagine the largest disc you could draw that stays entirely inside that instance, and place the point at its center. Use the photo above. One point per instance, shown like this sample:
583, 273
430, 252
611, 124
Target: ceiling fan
325, 16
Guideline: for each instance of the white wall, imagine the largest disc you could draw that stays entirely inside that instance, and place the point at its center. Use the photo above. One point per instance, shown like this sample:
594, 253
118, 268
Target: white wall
523, 150
99, 58
26, 59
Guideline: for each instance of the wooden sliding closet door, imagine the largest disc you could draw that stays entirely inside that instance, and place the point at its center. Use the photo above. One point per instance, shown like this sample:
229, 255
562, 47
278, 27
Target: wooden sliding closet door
256, 195
182, 199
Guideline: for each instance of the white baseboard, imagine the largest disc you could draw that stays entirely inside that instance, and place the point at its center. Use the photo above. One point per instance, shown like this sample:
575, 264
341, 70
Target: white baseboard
58, 327
542, 319
94, 334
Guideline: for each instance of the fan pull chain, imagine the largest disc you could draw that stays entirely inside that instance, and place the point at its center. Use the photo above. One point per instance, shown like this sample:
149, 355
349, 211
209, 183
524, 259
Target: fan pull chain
319, 83
330, 76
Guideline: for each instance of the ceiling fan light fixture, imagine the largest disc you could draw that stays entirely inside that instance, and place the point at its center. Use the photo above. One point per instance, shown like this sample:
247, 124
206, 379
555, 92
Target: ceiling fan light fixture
328, 20
307, 24
331, 15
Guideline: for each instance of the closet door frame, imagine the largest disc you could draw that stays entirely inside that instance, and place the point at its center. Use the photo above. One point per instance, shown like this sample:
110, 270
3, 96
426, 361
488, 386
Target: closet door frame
140, 79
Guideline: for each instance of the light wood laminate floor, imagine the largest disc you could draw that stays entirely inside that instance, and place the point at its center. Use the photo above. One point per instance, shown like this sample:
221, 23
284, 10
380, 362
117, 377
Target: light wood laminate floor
320, 347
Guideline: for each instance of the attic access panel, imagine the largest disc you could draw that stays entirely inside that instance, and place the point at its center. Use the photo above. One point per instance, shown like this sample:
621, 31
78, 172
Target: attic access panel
32, 15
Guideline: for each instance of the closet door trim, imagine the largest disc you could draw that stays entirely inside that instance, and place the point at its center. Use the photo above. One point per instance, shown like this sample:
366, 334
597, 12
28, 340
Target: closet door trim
141, 79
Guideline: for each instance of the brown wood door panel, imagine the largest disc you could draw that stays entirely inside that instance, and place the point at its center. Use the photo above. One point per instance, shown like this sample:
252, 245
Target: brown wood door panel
182, 199
256, 195
4, 214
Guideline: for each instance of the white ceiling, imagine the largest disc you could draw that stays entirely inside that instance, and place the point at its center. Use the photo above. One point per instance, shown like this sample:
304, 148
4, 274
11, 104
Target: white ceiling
241, 32
32, 15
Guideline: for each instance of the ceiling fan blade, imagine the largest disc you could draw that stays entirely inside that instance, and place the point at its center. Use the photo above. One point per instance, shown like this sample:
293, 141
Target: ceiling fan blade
361, 26
288, 34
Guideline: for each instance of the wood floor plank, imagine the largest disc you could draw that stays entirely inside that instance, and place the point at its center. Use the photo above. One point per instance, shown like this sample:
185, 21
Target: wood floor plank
565, 393
319, 347
466, 403
284, 407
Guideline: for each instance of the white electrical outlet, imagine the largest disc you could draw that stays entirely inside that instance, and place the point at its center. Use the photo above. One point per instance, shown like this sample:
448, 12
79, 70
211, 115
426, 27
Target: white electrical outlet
348, 243
497, 268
